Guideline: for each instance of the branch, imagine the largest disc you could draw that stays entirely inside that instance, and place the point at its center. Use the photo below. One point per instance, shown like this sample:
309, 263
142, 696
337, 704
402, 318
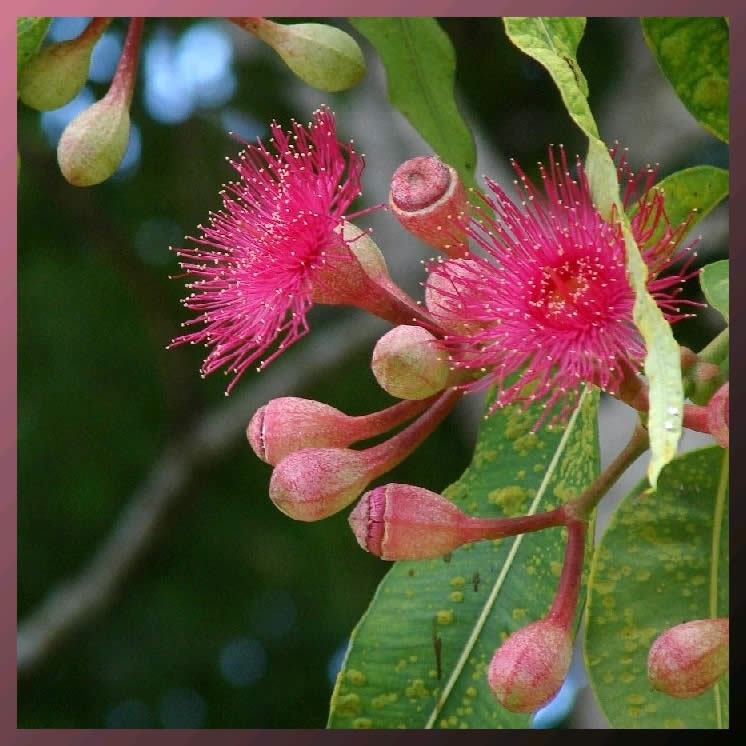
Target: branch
74, 602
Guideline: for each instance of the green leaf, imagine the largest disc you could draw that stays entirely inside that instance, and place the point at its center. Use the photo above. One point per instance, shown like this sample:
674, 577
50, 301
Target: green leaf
420, 71
553, 42
693, 54
715, 285
700, 188
473, 600
30, 32
662, 560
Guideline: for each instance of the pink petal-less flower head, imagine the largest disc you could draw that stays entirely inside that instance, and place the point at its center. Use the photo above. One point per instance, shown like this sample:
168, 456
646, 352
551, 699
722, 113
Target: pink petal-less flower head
273, 247
548, 304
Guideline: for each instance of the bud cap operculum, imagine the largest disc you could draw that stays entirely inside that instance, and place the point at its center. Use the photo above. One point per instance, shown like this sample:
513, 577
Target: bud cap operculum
429, 200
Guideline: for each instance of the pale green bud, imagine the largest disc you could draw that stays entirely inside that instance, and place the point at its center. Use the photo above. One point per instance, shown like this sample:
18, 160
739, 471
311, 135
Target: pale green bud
93, 144
323, 56
55, 76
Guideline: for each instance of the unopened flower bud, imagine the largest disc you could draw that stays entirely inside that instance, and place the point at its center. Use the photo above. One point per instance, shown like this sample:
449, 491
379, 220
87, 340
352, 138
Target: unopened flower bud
409, 364
528, 669
55, 75
688, 658
718, 418
94, 143
429, 200
288, 424
400, 521
404, 522
323, 56
313, 483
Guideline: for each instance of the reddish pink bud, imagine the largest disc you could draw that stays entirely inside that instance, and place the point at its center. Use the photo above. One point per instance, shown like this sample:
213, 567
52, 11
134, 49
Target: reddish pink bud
288, 424
429, 200
403, 522
688, 658
400, 521
528, 669
409, 364
718, 418
314, 483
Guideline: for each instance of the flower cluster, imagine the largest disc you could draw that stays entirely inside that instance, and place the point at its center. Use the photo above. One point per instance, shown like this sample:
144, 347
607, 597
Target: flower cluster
546, 305
532, 298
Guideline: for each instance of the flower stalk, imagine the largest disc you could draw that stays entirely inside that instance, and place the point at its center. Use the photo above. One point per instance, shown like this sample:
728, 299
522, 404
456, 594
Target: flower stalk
582, 506
287, 424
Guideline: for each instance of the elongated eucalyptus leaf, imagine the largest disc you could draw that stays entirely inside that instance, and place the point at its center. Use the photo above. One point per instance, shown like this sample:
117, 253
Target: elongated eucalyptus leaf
700, 188
468, 603
715, 281
420, 72
553, 42
30, 33
662, 560
693, 54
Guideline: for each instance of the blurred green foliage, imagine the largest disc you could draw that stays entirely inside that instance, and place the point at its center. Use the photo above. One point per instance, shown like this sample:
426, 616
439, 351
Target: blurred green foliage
100, 398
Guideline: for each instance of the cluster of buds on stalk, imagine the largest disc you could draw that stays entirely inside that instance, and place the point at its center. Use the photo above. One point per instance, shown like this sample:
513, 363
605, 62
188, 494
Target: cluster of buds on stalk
93, 144
533, 302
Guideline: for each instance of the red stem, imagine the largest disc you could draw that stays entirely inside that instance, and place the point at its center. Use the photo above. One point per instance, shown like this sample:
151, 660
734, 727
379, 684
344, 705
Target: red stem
389, 302
477, 529
568, 589
123, 83
634, 391
375, 423
392, 452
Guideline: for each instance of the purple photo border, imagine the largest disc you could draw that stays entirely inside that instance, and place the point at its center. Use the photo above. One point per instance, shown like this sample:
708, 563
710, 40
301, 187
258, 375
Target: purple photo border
8, 327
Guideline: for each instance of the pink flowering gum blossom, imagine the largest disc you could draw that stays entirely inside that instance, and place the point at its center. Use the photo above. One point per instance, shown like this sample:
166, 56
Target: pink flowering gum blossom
289, 423
429, 200
547, 305
281, 243
689, 658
